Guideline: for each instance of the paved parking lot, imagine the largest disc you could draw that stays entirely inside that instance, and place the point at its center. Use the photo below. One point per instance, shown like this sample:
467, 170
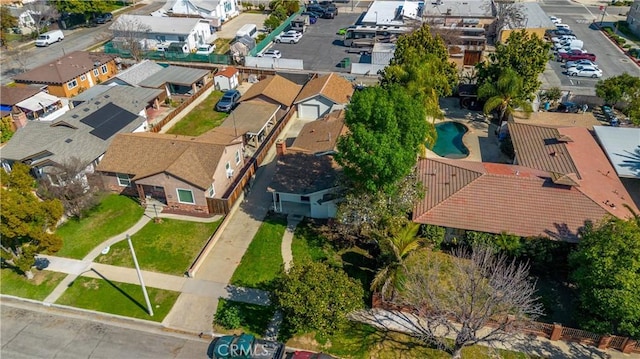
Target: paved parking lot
320, 48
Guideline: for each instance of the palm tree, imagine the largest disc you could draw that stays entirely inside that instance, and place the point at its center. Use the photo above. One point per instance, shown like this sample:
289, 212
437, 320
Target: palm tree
505, 96
399, 247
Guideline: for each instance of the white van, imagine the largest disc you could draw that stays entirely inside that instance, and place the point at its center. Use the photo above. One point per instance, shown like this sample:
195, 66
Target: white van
49, 38
250, 30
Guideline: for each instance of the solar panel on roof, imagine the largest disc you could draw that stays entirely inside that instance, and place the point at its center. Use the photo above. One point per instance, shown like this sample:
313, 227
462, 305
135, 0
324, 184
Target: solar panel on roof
108, 120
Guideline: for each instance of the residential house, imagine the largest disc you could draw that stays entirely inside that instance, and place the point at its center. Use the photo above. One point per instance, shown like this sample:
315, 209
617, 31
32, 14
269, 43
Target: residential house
275, 90
633, 17
217, 10
135, 74
304, 182
26, 19
536, 21
71, 74
156, 30
253, 120
560, 181
177, 80
81, 134
182, 172
322, 95
226, 78
22, 104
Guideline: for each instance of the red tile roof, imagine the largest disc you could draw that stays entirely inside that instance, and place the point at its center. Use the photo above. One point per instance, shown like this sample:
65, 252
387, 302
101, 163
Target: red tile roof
227, 72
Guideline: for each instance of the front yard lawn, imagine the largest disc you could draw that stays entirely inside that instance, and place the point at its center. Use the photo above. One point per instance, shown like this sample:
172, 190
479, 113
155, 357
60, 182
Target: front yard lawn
38, 288
167, 247
114, 215
254, 319
262, 261
118, 298
201, 119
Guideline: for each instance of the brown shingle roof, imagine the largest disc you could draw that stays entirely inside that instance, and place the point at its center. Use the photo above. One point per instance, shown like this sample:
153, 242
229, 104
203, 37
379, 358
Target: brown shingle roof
321, 135
332, 86
303, 173
276, 88
191, 159
12, 95
65, 68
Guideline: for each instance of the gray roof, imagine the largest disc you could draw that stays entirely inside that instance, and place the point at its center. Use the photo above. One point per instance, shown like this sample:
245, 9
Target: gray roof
49, 143
138, 72
250, 116
465, 9
176, 75
208, 5
132, 99
157, 24
536, 18
622, 146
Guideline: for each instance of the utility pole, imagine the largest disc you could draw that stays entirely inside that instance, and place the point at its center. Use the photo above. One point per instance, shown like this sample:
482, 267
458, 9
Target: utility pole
604, 11
144, 289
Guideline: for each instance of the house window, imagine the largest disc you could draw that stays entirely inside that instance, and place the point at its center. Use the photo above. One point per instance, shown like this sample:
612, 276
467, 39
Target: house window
181, 38
185, 196
227, 166
229, 170
71, 84
304, 198
123, 180
83, 78
238, 157
103, 69
227, 6
95, 72
211, 191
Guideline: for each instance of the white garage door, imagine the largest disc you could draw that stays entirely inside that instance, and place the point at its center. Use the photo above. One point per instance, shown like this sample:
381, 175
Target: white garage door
309, 111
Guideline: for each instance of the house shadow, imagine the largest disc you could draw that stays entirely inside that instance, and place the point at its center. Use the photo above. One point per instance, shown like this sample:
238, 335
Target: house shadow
257, 199
247, 295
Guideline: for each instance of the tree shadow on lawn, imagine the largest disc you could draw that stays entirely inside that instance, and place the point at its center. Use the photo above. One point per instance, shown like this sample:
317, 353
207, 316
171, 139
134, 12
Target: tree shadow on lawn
125, 294
359, 265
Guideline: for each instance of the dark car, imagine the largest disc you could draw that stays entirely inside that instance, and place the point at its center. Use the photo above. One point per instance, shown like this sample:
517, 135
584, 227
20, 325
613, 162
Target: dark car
609, 115
228, 101
333, 11
571, 107
316, 9
104, 18
313, 16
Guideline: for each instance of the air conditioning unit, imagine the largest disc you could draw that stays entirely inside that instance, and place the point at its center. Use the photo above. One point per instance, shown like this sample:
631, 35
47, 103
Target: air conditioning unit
229, 173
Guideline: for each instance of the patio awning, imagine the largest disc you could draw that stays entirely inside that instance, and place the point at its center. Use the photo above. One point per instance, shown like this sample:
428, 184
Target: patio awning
38, 102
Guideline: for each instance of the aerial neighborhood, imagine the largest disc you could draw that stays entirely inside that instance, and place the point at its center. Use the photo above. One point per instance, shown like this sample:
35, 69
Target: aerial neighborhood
320, 179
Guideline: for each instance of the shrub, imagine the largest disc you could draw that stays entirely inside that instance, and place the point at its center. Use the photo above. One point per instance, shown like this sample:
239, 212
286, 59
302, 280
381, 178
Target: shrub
261, 7
433, 235
627, 46
228, 317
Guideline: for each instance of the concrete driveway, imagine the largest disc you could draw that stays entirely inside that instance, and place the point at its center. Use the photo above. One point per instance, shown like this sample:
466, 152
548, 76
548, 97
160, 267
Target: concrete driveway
232, 26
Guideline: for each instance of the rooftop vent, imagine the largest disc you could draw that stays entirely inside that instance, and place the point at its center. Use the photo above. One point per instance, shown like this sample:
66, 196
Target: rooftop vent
68, 140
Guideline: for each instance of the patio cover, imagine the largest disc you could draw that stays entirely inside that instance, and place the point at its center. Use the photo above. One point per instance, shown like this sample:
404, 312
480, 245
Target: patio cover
622, 146
38, 101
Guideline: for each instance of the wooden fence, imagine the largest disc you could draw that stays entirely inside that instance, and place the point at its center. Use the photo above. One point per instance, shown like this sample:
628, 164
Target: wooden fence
158, 126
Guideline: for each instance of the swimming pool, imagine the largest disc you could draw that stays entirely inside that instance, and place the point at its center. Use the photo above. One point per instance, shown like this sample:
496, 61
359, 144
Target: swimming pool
449, 143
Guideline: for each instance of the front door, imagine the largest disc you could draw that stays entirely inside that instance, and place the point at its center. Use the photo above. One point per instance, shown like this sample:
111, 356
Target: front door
155, 192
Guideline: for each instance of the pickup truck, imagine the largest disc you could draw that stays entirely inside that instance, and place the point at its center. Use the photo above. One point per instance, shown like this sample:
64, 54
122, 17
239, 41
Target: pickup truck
244, 346
575, 55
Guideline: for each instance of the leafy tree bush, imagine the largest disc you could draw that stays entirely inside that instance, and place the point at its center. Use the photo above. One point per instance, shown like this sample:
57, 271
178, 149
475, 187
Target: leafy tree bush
433, 235
551, 95
228, 317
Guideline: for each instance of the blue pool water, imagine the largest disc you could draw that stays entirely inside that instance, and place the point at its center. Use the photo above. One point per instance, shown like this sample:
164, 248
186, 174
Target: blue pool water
449, 143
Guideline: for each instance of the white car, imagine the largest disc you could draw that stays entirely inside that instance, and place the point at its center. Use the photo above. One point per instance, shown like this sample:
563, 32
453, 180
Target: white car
563, 27
564, 50
563, 38
289, 37
580, 63
585, 71
205, 49
271, 53
555, 20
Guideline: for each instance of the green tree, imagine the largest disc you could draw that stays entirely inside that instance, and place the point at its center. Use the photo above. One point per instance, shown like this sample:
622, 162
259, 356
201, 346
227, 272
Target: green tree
607, 273
551, 95
6, 129
315, 296
7, 22
526, 54
387, 131
27, 221
624, 88
86, 8
505, 95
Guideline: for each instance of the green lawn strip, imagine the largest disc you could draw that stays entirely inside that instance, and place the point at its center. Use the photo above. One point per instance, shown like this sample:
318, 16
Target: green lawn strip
167, 247
254, 319
114, 215
201, 119
309, 245
362, 341
118, 298
38, 288
262, 261
222, 45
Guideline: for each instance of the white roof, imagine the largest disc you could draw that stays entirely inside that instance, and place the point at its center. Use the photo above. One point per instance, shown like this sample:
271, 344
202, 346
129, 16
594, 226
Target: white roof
160, 25
38, 101
622, 146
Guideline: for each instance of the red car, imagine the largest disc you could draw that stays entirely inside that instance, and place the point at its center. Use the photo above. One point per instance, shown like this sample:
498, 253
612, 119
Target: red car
310, 355
575, 55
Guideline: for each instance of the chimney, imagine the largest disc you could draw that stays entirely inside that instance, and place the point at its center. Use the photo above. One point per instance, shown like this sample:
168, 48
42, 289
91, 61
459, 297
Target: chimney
281, 147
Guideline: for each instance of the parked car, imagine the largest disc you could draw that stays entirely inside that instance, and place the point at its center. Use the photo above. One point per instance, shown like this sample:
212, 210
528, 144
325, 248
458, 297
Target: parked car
205, 49
288, 37
567, 49
103, 18
568, 107
228, 101
576, 55
563, 38
563, 27
330, 13
313, 17
49, 38
316, 9
585, 71
315, 14
580, 63
610, 115
271, 53
555, 20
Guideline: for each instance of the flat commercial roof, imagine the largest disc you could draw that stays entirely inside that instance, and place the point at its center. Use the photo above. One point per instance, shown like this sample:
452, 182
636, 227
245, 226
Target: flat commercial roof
622, 147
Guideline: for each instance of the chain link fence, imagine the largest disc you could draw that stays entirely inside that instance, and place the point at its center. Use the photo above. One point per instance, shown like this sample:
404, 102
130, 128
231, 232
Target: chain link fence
170, 56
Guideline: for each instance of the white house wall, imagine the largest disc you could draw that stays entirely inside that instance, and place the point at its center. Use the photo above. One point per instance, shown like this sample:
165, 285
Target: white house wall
322, 210
315, 107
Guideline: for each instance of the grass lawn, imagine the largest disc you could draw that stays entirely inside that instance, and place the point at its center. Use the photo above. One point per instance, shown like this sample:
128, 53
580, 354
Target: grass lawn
254, 318
38, 288
361, 341
118, 298
222, 45
166, 247
112, 216
262, 261
201, 119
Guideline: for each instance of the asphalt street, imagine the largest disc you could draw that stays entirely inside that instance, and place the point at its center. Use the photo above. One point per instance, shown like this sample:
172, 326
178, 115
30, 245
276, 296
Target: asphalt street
35, 331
